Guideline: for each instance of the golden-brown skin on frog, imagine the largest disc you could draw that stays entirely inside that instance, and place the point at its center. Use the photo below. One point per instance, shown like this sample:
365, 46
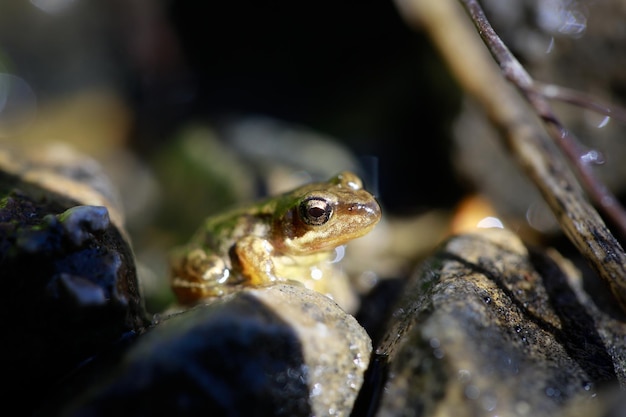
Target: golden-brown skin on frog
291, 237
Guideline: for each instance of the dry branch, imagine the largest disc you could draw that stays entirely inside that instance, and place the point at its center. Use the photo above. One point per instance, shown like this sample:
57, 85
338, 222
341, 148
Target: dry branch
451, 31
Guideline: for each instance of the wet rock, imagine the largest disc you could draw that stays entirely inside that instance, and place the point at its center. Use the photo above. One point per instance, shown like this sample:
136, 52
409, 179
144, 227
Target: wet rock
488, 326
336, 348
276, 351
68, 275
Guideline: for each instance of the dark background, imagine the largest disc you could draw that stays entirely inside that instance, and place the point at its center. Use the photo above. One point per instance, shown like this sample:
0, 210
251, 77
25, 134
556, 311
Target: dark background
350, 69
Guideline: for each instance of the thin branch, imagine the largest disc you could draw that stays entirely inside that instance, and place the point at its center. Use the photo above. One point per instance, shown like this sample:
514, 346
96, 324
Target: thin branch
580, 99
455, 38
571, 147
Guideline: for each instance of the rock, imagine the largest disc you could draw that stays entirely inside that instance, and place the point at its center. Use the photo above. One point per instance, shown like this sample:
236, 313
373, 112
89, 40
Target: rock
336, 348
68, 275
277, 351
488, 326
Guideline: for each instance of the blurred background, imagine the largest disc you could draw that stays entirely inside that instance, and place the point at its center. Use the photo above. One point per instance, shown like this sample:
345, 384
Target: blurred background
136, 72
194, 106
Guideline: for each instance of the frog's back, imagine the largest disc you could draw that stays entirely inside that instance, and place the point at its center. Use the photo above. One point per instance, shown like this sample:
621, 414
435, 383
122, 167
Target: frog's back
219, 233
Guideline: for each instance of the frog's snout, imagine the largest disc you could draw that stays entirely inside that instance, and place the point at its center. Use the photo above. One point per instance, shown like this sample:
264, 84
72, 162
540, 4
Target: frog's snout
369, 211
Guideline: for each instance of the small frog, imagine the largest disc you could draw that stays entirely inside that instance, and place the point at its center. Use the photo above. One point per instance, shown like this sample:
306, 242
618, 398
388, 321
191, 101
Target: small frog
291, 237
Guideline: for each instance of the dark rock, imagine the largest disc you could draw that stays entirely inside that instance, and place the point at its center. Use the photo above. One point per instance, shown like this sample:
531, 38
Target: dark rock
275, 351
69, 284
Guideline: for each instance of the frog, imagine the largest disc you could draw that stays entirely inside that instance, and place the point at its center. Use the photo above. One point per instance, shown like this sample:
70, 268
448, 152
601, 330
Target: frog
295, 237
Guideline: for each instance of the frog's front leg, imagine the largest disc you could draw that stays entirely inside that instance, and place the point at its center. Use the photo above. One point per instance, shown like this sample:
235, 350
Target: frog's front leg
254, 257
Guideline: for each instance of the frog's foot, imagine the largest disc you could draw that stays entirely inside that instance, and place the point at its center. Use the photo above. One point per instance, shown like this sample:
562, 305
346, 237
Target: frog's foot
198, 276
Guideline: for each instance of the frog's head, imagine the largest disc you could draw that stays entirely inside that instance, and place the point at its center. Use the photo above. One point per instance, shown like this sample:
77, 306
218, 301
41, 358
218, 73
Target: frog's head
322, 216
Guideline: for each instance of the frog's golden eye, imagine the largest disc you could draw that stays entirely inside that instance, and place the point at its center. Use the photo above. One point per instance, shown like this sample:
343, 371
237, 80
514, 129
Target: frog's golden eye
315, 211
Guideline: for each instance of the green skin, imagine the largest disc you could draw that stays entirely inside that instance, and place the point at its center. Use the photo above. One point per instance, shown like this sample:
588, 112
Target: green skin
283, 238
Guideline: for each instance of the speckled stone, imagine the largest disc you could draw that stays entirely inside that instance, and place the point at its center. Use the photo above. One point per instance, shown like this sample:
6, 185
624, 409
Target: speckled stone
336, 348
490, 327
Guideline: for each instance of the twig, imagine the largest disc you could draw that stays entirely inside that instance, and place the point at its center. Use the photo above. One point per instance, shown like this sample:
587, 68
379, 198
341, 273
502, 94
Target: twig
515, 72
449, 29
580, 99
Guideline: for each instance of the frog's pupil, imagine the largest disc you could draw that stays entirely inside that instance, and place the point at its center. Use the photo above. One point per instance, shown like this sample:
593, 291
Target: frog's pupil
316, 212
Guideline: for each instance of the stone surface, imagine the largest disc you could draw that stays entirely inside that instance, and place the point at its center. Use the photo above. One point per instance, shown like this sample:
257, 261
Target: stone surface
277, 351
490, 327
68, 275
336, 348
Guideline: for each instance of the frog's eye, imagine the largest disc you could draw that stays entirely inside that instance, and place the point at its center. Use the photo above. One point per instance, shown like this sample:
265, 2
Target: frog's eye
315, 211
